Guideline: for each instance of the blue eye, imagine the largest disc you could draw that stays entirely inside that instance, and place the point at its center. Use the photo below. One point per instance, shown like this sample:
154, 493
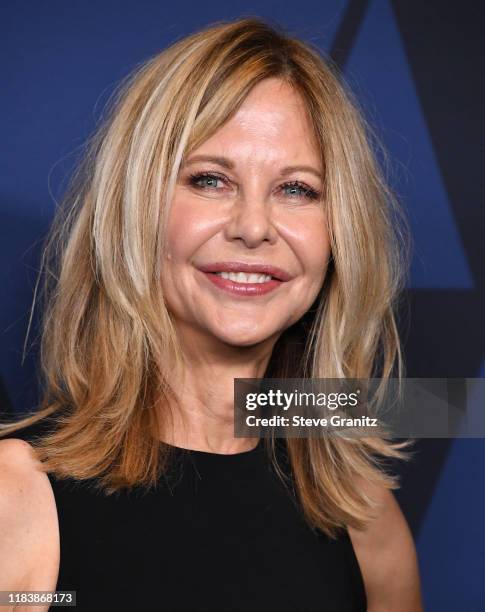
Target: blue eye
300, 189
211, 180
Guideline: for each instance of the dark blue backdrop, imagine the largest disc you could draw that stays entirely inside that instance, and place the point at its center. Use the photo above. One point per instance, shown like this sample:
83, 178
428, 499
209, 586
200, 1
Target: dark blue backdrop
417, 68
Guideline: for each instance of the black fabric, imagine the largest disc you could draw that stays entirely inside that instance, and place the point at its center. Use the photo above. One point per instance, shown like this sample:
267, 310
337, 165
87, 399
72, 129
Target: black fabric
219, 534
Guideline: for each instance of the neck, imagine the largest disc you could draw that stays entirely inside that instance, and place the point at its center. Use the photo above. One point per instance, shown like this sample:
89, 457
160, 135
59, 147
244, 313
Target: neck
204, 416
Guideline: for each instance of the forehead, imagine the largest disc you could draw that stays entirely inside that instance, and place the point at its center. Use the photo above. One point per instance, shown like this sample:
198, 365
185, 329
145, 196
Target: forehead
270, 126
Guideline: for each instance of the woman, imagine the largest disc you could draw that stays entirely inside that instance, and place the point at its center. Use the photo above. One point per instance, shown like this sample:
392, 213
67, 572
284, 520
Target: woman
229, 222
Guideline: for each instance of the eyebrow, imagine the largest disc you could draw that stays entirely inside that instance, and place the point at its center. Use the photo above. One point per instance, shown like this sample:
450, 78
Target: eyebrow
227, 163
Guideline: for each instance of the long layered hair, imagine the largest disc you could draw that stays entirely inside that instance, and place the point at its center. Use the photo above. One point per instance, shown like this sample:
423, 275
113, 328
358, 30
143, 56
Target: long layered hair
109, 345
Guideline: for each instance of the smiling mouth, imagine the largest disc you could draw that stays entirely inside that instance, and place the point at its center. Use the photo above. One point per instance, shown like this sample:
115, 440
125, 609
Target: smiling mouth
245, 279
242, 277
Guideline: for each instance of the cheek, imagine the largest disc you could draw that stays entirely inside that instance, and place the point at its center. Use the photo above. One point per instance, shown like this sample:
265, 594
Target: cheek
310, 241
181, 240
189, 226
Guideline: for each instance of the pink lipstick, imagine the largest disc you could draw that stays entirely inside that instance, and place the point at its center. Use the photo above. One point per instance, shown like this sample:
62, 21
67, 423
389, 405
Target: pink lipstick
244, 278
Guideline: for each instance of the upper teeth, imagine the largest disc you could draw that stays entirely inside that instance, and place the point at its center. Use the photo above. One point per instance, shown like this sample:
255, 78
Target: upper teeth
242, 277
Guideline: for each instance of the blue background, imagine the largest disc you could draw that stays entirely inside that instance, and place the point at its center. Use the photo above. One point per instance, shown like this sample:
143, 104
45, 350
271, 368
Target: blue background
417, 69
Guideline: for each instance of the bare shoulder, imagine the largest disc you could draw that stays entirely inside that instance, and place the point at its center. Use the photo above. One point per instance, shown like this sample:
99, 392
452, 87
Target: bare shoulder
29, 537
17, 453
387, 556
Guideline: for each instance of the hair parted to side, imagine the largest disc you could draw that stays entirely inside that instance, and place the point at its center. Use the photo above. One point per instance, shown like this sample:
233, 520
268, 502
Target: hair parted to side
108, 343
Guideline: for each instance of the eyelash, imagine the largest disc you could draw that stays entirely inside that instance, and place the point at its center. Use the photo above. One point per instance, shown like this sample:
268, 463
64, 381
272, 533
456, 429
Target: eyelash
307, 192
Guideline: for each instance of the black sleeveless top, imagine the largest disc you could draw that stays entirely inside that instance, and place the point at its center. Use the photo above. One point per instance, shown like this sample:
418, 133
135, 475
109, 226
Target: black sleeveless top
220, 533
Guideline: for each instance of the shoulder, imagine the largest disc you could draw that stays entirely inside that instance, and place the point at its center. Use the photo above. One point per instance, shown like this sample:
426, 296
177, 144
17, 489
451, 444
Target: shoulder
387, 556
28, 519
16, 452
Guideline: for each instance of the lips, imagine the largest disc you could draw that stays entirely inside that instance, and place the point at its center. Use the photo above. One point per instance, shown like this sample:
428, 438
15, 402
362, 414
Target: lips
275, 277
249, 268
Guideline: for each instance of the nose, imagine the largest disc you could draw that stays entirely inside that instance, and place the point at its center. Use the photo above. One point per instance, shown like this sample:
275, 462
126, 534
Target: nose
251, 221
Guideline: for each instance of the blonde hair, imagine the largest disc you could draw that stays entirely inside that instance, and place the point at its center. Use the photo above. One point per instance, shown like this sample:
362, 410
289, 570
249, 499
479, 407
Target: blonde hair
108, 342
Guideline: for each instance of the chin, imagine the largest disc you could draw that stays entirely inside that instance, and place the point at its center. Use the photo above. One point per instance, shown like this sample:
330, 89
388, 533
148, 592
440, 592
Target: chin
243, 337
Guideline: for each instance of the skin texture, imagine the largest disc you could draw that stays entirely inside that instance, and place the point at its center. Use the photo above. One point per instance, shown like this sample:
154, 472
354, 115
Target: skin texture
251, 219
29, 533
248, 216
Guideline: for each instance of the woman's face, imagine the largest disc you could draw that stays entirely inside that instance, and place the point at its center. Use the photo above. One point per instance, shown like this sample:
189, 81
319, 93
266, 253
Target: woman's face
248, 200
